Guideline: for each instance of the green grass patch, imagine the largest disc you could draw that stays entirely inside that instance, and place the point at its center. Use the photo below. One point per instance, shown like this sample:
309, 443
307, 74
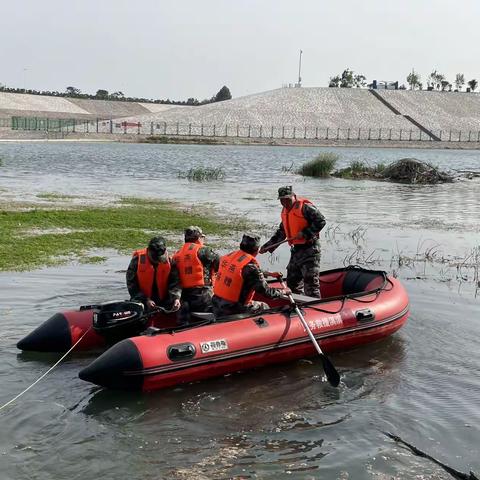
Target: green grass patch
321, 166
53, 197
203, 174
92, 259
123, 228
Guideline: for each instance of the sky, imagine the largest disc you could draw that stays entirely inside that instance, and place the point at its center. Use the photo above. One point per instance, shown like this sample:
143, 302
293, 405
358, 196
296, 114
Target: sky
191, 48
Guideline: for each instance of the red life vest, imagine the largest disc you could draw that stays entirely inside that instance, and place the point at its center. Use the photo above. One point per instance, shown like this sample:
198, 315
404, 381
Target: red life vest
229, 282
146, 272
294, 222
190, 267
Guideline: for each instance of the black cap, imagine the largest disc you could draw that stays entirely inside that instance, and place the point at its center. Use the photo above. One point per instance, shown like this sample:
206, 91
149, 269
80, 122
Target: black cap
284, 192
193, 233
157, 245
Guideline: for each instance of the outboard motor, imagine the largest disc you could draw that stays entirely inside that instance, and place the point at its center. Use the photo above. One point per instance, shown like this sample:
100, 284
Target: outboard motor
118, 320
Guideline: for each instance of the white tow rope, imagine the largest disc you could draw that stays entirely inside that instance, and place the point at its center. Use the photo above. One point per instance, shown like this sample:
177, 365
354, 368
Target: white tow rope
45, 374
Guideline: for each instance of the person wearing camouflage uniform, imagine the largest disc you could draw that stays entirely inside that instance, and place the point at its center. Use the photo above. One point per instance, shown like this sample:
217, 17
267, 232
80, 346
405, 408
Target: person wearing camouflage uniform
195, 266
239, 277
301, 225
154, 258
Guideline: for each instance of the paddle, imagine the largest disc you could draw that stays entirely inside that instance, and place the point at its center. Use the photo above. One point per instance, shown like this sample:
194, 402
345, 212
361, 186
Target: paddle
275, 245
331, 372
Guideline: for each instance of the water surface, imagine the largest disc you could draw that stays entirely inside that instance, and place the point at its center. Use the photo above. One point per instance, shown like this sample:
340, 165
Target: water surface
279, 422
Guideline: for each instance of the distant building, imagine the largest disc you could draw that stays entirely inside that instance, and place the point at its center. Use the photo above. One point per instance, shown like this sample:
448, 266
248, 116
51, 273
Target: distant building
383, 85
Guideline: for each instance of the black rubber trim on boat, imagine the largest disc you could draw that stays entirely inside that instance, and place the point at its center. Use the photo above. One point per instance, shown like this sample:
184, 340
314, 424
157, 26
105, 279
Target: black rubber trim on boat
53, 335
108, 370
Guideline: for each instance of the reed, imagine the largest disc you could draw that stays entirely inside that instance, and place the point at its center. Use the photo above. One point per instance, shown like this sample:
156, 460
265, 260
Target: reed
203, 174
321, 166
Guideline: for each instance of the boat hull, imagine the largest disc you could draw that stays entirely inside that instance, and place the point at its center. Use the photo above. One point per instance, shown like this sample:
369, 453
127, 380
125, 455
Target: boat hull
152, 362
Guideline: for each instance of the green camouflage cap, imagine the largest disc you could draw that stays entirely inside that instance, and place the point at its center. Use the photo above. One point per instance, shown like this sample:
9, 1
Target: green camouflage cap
157, 245
285, 191
250, 240
193, 233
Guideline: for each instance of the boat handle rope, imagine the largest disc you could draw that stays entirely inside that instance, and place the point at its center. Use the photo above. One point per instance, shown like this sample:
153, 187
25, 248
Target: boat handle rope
45, 374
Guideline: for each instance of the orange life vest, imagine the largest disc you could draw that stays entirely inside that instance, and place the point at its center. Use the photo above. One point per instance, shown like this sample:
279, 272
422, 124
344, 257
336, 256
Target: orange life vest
229, 282
190, 267
294, 222
146, 272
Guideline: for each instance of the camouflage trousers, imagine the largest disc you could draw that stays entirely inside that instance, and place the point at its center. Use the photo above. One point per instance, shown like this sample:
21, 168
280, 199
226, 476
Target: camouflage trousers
194, 300
223, 307
303, 270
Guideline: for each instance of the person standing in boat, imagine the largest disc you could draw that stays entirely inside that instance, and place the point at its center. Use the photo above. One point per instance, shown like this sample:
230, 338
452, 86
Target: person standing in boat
300, 226
195, 265
239, 277
149, 277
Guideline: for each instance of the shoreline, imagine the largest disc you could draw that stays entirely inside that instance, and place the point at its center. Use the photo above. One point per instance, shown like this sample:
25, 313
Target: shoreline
240, 141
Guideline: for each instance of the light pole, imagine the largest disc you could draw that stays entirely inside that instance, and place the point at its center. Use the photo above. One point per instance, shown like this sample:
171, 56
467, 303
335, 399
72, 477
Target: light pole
25, 79
299, 84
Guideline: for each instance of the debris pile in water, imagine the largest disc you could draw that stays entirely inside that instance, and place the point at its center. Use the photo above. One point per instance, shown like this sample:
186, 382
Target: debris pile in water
410, 170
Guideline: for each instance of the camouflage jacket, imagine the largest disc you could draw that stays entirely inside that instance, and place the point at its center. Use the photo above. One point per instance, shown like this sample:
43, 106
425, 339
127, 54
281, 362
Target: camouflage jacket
174, 290
253, 279
316, 222
210, 261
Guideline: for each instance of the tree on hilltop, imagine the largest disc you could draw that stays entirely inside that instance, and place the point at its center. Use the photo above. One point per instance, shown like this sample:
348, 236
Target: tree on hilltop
459, 80
472, 84
117, 95
223, 94
348, 79
413, 79
102, 94
72, 91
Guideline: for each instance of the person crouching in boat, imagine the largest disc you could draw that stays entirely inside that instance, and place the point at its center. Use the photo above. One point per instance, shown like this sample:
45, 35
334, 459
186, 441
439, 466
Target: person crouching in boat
149, 278
239, 277
195, 265
300, 226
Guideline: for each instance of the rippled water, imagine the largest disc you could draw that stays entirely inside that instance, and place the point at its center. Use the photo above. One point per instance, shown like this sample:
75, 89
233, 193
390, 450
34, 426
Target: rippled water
281, 422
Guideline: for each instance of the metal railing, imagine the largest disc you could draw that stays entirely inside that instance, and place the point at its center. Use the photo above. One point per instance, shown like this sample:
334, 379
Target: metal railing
160, 128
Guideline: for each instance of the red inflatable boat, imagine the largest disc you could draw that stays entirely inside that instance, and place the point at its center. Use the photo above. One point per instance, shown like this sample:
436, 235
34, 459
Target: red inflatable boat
358, 306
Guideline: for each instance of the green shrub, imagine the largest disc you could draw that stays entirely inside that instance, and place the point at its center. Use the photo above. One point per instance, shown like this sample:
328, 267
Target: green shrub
320, 166
203, 174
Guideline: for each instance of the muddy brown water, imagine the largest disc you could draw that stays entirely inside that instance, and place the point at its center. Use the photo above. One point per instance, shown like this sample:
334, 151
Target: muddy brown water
278, 422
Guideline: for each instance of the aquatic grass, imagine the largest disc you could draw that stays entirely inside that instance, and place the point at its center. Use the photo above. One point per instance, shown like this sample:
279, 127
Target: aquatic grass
203, 174
321, 166
122, 228
53, 196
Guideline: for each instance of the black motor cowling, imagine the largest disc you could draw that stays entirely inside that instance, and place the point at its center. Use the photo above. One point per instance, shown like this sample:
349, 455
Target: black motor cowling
117, 320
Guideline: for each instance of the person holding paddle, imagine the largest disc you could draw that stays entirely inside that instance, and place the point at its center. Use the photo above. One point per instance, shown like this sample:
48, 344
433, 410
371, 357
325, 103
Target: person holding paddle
300, 227
149, 278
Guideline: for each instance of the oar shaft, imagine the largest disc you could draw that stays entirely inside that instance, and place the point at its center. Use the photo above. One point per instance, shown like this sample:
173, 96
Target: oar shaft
305, 325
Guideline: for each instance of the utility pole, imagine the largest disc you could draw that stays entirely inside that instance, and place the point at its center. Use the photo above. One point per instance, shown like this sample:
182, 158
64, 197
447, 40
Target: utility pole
299, 84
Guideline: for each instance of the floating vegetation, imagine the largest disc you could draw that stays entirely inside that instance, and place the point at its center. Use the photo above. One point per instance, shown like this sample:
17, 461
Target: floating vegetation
321, 166
1, 162
406, 170
203, 174
52, 196
358, 170
163, 139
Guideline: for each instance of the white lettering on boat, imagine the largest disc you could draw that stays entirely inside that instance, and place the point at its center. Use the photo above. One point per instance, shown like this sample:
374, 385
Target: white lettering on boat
325, 322
214, 345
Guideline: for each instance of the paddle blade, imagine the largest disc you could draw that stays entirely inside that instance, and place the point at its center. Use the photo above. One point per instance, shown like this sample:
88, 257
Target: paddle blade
331, 372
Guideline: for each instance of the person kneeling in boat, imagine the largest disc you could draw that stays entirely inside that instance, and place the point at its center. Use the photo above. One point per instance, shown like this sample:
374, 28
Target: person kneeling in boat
239, 277
195, 264
149, 278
